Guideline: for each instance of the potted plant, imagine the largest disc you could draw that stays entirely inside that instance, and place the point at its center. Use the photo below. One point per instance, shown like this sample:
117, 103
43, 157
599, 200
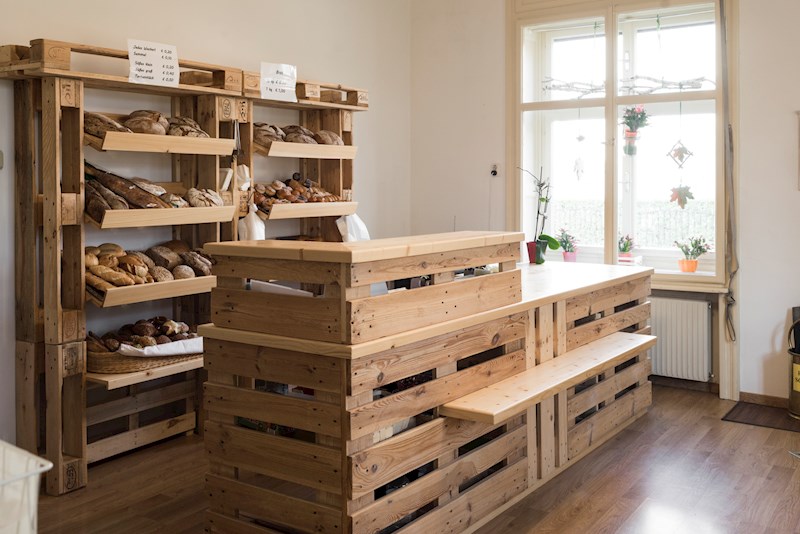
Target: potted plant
625, 246
538, 247
633, 118
696, 247
567, 242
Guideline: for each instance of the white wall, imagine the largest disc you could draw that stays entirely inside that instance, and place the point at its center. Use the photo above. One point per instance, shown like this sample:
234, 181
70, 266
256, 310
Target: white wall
458, 82
769, 197
360, 43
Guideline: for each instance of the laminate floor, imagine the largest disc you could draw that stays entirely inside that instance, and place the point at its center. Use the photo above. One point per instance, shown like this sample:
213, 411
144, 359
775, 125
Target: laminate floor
679, 469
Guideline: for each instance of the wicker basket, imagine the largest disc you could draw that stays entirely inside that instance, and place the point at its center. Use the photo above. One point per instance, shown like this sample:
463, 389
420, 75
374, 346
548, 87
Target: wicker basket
114, 363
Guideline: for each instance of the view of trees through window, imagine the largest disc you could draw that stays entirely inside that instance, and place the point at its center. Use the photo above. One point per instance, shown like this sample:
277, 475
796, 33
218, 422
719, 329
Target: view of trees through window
665, 180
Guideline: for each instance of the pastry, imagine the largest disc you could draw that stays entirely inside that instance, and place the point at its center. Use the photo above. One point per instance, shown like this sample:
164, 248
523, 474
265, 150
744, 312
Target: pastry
161, 274
164, 257
145, 125
97, 125
108, 274
176, 245
181, 272
149, 186
327, 137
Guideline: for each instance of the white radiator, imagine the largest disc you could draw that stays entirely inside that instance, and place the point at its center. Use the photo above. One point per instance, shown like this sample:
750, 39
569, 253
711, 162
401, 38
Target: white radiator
683, 328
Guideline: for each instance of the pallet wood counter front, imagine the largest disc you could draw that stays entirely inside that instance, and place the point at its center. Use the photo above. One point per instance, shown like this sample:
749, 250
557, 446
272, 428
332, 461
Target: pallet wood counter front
425, 410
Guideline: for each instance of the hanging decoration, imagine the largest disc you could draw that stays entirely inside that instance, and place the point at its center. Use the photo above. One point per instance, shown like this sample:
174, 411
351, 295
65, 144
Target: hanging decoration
632, 119
680, 154
577, 168
681, 194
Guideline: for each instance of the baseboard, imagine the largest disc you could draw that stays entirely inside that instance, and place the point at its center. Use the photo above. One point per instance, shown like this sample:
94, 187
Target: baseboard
765, 400
708, 387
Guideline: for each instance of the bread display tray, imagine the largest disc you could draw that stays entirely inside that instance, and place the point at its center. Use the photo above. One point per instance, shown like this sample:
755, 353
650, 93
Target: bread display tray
115, 363
168, 144
309, 209
282, 149
138, 218
118, 296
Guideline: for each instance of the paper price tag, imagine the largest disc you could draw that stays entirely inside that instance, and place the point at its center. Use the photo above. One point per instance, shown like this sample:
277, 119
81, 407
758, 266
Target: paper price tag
278, 82
153, 63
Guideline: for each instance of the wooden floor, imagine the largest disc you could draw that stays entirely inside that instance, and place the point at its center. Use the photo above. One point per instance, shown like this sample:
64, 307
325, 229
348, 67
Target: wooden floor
679, 469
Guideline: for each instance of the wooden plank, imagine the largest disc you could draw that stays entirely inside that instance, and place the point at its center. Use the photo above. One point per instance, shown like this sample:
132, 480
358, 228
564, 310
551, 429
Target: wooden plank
290, 270
311, 318
308, 209
580, 335
384, 315
167, 144
280, 149
26, 273
273, 506
604, 422
395, 269
27, 412
593, 396
390, 459
314, 416
139, 402
119, 380
140, 218
407, 499
272, 364
119, 296
388, 410
51, 209
222, 524
138, 437
594, 302
501, 401
392, 365
561, 427
304, 463
475, 503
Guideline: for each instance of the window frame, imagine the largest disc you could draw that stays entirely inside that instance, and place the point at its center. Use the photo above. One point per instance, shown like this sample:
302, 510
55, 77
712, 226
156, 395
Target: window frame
543, 12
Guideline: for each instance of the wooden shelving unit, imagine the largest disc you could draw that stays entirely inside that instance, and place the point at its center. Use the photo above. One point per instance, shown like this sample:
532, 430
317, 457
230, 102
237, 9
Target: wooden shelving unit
119, 296
167, 144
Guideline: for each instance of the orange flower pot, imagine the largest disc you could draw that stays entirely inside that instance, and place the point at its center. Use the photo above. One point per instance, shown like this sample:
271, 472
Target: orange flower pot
687, 266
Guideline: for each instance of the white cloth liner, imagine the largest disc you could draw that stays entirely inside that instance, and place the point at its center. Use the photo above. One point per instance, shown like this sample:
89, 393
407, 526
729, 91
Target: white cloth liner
176, 348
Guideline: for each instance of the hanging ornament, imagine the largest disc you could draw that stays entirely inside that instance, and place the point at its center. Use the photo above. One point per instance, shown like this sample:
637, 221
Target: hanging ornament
577, 168
681, 194
679, 154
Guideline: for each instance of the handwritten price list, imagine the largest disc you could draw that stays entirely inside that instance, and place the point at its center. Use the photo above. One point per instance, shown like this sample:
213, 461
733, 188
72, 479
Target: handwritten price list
278, 82
153, 63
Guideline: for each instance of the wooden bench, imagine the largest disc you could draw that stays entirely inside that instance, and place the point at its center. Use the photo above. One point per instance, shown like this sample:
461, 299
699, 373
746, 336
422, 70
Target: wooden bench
502, 400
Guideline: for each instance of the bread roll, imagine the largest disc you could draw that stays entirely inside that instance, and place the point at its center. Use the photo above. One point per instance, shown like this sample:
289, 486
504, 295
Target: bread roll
326, 137
91, 250
181, 272
145, 125
112, 248
161, 274
90, 259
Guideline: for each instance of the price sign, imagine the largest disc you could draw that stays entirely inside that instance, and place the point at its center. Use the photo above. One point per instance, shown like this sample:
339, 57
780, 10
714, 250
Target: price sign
153, 63
278, 82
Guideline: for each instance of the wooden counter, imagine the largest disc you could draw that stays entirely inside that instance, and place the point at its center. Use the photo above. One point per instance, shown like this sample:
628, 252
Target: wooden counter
475, 393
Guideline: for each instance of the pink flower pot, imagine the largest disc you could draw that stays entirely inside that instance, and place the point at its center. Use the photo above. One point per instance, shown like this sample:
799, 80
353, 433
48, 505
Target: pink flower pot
570, 256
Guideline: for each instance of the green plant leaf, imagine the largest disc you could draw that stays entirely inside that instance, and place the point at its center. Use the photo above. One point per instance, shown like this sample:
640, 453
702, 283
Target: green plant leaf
552, 242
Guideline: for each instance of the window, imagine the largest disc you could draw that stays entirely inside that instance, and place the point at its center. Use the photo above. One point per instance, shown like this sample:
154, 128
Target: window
659, 182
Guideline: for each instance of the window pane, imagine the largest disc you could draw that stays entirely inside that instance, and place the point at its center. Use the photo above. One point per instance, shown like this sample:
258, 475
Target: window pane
667, 51
568, 146
563, 62
652, 184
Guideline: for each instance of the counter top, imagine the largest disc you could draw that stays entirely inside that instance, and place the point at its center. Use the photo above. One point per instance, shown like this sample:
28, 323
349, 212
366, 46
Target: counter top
362, 251
541, 284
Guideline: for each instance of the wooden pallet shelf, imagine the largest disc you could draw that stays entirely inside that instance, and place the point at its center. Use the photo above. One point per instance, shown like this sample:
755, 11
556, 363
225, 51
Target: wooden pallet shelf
119, 380
167, 144
309, 209
139, 218
119, 296
280, 149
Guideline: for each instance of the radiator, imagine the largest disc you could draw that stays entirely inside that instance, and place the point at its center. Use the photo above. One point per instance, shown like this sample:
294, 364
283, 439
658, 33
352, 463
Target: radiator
683, 328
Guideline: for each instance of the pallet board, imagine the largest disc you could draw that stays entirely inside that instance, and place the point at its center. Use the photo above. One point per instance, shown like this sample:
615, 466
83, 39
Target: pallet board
119, 296
140, 218
308, 209
280, 149
166, 144
120, 380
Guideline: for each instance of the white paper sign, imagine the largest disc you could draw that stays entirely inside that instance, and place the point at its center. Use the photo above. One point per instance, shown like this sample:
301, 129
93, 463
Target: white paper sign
278, 82
153, 63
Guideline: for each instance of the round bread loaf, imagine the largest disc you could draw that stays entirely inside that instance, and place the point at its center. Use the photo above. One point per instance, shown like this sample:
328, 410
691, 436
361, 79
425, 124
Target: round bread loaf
161, 274
145, 125
152, 115
295, 128
300, 138
181, 272
327, 137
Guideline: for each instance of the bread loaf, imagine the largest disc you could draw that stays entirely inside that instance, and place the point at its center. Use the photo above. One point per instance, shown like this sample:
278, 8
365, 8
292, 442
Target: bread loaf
96, 207
107, 260
91, 250
300, 138
149, 186
145, 125
90, 259
161, 274
152, 115
125, 188
164, 257
97, 125
96, 282
114, 201
181, 272
203, 198
133, 265
176, 245
297, 129
174, 200
144, 258
326, 137
111, 248
185, 127
199, 265
110, 275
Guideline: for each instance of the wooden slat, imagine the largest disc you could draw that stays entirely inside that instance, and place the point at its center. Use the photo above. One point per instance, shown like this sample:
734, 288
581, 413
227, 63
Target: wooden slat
395, 269
400, 454
596, 394
500, 401
386, 411
596, 301
308, 209
120, 380
139, 218
384, 315
310, 318
275, 365
51, 209
475, 503
280, 149
260, 269
139, 402
222, 524
167, 144
311, 415
586, 333
119, 443
311, 465
389, 366
618, 413
273, 506
27, 413
118, 296
407, 499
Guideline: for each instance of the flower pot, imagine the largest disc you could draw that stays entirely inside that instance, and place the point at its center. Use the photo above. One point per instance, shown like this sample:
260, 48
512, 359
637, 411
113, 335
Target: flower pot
536, 250
570, 256
631, 136
687, 266
625, 255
